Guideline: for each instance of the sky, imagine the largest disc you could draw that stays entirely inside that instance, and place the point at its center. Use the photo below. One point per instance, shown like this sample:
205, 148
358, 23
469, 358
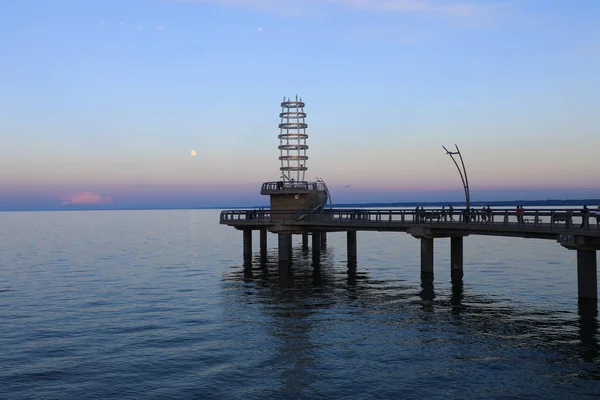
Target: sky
102, 102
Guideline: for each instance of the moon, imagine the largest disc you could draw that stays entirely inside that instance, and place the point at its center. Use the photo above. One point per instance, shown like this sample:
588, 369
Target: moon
193, 153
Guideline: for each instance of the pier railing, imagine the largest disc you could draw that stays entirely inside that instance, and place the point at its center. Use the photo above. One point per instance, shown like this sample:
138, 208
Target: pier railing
542, 218
292, 187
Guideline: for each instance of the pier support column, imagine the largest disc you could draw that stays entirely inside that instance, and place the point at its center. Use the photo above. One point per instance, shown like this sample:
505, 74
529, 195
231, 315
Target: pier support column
426, 256
323, 239
305, 241
284, 247
247, 244
351, 241
587, 280
263, 240
316, 247
456, 257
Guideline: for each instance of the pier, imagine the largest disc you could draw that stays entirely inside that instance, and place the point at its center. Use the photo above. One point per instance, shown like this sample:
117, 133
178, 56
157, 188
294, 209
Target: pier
572, 229
300, 207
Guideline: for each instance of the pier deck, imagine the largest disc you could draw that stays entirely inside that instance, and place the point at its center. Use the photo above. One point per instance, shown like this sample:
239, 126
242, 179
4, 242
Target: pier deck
541, 224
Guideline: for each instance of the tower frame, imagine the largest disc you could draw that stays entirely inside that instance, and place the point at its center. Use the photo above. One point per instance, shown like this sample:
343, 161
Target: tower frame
292, 140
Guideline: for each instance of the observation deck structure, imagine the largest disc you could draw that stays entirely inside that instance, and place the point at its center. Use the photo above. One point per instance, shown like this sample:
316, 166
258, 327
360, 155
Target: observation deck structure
292, 194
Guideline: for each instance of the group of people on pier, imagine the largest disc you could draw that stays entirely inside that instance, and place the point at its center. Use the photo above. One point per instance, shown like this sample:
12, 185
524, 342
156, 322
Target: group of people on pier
447, 214
484, 215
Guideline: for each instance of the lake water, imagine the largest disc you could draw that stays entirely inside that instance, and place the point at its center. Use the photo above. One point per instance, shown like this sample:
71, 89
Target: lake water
158, 305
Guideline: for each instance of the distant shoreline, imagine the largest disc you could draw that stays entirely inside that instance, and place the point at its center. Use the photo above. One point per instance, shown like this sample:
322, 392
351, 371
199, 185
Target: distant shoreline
476, 203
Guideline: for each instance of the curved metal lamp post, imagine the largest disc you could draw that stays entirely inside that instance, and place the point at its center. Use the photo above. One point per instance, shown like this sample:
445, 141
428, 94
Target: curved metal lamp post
328, 192
463, 173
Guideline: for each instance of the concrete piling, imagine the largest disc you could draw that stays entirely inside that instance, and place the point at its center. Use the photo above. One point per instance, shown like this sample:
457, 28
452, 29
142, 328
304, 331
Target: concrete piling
304, 241
426, 255
456, 257
351, 245
316, 247
263, 240
247, 244
587, 279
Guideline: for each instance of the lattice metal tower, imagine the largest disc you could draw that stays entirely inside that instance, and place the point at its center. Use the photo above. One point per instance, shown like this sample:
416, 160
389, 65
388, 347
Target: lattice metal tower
292, 140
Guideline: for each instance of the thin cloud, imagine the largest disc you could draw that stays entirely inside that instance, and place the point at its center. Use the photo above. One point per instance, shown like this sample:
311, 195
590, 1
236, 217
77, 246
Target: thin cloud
264, 5
451, 8
87, 198
138, 27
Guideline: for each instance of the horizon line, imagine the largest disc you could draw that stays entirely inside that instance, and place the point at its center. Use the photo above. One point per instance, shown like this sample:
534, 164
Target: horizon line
107, 207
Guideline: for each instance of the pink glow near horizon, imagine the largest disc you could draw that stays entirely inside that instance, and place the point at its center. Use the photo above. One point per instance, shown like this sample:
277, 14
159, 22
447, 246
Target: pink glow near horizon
87, 198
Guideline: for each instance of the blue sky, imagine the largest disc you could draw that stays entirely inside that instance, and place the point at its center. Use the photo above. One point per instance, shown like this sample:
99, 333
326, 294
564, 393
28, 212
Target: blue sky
102, 101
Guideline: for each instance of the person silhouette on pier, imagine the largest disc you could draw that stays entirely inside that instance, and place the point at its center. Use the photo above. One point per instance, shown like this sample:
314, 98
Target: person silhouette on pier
519, 213
484, 215
584, 217
598, 217
465, 215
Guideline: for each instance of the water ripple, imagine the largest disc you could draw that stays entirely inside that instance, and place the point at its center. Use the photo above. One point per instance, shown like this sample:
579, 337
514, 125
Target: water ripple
158, 304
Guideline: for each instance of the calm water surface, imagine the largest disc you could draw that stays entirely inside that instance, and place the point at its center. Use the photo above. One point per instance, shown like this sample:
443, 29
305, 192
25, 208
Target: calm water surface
158, 304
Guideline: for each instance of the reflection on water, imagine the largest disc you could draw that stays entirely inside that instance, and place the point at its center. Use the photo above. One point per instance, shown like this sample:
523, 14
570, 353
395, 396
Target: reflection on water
427, 293
457, 296
319, 310
588, 329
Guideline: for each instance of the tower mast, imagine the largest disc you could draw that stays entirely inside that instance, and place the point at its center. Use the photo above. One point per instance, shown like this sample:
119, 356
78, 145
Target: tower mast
292, 140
